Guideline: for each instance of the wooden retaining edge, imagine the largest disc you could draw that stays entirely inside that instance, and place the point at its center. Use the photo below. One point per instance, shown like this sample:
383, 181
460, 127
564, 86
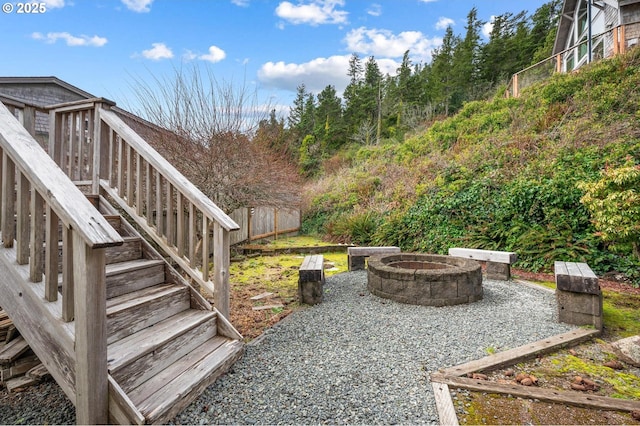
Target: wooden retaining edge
549, 395
441, 380
444, 404
515, 355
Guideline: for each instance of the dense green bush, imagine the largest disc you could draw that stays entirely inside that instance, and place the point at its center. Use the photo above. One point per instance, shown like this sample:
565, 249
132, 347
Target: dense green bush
505, 174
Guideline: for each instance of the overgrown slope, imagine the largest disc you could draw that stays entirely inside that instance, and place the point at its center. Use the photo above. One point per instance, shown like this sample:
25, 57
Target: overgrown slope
501, 174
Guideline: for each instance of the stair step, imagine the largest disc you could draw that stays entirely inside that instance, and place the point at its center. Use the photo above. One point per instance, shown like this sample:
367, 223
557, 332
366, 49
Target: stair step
132, 312
142, 355
132, 275
169, 392
114, 220
131, 249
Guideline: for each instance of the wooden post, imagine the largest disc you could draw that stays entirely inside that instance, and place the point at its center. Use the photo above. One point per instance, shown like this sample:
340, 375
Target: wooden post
515, 86
275, 222
29, 120
92, 395
22, 220
37, 235
51, 259
100, 151
558, 63
221, 262
249, 216
68, 294
8, 200
623, 40
616, 41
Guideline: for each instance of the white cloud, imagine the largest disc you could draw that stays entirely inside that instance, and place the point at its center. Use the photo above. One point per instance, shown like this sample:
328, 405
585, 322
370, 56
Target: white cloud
215, 55
383, 43
375, 10
488, 26
157, 52
444, 22
70, 40
428, 1
241, 3
313, 13
138, 5
315, 74
53, 4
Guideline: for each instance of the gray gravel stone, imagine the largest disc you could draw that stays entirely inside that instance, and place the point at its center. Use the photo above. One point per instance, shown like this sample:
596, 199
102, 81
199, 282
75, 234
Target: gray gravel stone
355, 358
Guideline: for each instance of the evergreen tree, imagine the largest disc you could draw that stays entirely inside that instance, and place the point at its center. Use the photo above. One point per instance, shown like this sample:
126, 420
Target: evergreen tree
330, 129
441, 81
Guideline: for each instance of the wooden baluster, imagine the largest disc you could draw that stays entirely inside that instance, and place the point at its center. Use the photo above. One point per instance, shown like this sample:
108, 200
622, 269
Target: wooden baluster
205, 248
37, 237
72, 146
51, 256
148, 193
221, 260
90, 332
169, 223
121, 166
193, 238
67, 275
91, 153
8, 201
139, 185
22, 221
159, 205
129, 174
80, 138
55, 136
102, 159
179, 224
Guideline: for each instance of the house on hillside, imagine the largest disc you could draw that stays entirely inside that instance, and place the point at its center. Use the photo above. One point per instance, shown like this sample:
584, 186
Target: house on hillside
614, 28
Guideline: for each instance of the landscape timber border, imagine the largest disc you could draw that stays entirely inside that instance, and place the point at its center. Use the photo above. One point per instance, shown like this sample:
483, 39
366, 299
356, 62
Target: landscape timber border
451, 376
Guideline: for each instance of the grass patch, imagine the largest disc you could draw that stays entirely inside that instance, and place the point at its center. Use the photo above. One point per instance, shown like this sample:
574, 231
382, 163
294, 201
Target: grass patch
290, 242
621, 313
279, 274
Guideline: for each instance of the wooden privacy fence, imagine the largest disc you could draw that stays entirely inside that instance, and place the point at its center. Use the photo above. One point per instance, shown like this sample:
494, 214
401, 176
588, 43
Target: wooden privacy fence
264, 222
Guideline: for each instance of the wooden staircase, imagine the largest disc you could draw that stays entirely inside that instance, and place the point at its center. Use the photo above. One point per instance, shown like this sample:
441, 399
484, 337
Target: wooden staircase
128, 336
165, 341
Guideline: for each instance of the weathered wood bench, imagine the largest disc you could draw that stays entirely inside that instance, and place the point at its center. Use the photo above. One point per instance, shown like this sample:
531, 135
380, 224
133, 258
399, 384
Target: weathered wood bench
578, 294
357, 255
498, 262
311, 279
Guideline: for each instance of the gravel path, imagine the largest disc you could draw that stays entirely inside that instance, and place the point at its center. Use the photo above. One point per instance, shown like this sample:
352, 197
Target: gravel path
360, 359
355, 359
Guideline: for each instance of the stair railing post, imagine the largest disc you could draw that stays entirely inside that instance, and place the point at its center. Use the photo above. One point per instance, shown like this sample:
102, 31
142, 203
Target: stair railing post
92, 395
100, 150
221, 260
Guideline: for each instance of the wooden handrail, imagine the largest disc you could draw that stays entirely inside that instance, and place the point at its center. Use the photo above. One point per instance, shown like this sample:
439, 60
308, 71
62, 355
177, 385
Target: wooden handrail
69, 204
168, 171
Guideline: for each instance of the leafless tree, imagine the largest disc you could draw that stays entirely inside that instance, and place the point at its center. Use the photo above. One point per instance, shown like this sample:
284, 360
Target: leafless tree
204, 128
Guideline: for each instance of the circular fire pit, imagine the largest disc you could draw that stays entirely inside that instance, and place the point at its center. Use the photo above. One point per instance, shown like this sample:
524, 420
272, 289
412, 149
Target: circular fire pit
425, 279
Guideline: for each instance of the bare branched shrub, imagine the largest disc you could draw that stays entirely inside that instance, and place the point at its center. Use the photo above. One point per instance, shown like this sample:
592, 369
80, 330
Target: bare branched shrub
204, 128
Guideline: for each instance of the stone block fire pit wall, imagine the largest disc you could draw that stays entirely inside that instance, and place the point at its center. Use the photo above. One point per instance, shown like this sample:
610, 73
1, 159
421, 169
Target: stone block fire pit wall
425, 279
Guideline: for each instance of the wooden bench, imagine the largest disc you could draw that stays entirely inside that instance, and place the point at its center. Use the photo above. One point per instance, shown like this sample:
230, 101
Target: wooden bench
578, 294
311, 279
357, 255
498, 262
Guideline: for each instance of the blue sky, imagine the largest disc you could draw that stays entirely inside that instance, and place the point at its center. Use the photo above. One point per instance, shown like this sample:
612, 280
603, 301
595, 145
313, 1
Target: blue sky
102, 46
